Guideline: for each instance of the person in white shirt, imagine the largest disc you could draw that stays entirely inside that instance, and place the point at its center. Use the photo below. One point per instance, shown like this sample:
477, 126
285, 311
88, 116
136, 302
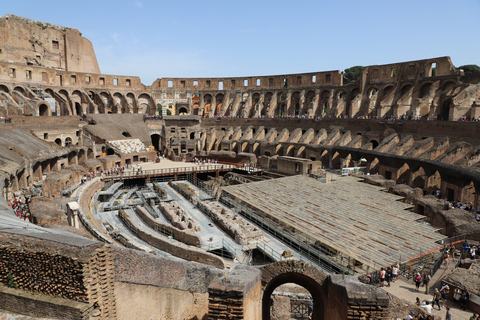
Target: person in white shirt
427, 307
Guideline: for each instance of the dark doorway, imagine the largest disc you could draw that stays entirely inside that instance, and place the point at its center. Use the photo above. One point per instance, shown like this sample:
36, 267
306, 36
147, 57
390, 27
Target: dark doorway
78, 109
446, 109
155, 141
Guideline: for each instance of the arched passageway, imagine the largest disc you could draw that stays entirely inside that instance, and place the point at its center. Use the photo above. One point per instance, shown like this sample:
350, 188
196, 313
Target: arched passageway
297, 272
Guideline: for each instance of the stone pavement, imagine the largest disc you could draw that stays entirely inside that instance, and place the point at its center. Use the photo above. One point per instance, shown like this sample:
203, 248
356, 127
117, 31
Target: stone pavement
405, 289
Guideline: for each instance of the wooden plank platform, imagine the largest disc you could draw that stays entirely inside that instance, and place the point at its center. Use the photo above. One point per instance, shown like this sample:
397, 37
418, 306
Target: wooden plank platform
355, 218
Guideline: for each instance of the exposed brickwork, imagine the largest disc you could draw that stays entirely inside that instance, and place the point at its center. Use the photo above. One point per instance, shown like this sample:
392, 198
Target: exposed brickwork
273, 270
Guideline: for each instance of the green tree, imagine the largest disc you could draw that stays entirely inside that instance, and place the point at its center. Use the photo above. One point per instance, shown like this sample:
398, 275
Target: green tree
470, 69
352, 74
159, 107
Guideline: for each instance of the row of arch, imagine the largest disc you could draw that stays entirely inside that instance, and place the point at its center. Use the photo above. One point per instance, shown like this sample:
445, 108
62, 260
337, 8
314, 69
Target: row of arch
79, 102
350, 101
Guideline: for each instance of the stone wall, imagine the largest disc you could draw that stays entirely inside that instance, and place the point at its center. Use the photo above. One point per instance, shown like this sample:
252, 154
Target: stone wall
58, 270
179, 235
182, 251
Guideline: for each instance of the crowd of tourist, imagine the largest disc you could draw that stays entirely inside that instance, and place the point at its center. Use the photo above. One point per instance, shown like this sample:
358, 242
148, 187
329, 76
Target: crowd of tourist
6, 119
152, 117
20, 207
203, 161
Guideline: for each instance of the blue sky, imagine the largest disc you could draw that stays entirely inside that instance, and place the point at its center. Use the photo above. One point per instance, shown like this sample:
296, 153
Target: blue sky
155, 39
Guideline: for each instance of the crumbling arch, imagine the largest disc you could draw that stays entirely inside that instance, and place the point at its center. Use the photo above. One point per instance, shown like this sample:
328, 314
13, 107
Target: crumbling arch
300, 273
182, 111
43, 110
4, 88
419, 179
403, 174
145, 103
290, 151
425, 90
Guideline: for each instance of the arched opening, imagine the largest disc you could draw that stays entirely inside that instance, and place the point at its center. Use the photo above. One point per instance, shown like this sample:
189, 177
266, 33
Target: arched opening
110, 152
126, 134
256, 149
419, 179
78, 109
403, 174
290, 151
155, 141
183, 111
313, 283
374, 144
58, 141
192, 135
4, 88
72, 158
43, 110
278, 149
405, 89
90, 154
301, 152
446, 109
468, 194
68, 141
425, 90
81, 156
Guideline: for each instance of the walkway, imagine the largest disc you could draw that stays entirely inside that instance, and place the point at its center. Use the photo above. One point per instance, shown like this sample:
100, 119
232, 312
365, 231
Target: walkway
407, 291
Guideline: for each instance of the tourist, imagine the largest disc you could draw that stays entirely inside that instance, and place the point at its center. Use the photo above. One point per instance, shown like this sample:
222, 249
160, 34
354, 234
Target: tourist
418, 280
436, 298
417, 301
410, 316
427, 307
448, 315
474, 317
445, 291
394, 272
451, 250
388, 276
382, 277
466, 249
464, 299
426, 281
310, 310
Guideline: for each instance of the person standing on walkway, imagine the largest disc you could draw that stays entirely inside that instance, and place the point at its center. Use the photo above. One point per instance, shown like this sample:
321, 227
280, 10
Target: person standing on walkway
388, 276
426, 281
464, 299
436, 298
418, 280
448, 316
394, 272
382, 277
445, 292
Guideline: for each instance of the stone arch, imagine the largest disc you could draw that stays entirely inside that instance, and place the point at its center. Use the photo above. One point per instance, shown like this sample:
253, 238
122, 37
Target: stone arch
448, 85
434, 181
468, 193
72, 158
256, 149
445, 111
131, 105
300, 273
244, 147
64, 107
278, 149
145, 103
266, 102
58, 141
118, 102
44, 110
425, 90
372, 91
405, 89
233, 147
4, 88
325, 158
354, 93
81, 156
182, 111
90, 154
403, 174
290, 152
68, 142
418, 179
218, 108
19, 89
207, 100
374, 143
386, 91
374, 166
301, 152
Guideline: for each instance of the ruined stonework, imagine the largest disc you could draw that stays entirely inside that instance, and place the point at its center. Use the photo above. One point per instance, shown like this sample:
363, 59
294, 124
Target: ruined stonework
84, 275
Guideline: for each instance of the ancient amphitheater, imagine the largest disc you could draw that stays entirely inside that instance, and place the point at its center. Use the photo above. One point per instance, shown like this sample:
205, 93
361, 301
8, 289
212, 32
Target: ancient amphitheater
199, 198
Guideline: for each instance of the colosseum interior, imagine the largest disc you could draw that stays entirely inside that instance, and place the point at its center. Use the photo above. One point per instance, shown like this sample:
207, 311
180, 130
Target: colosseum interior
274, 180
